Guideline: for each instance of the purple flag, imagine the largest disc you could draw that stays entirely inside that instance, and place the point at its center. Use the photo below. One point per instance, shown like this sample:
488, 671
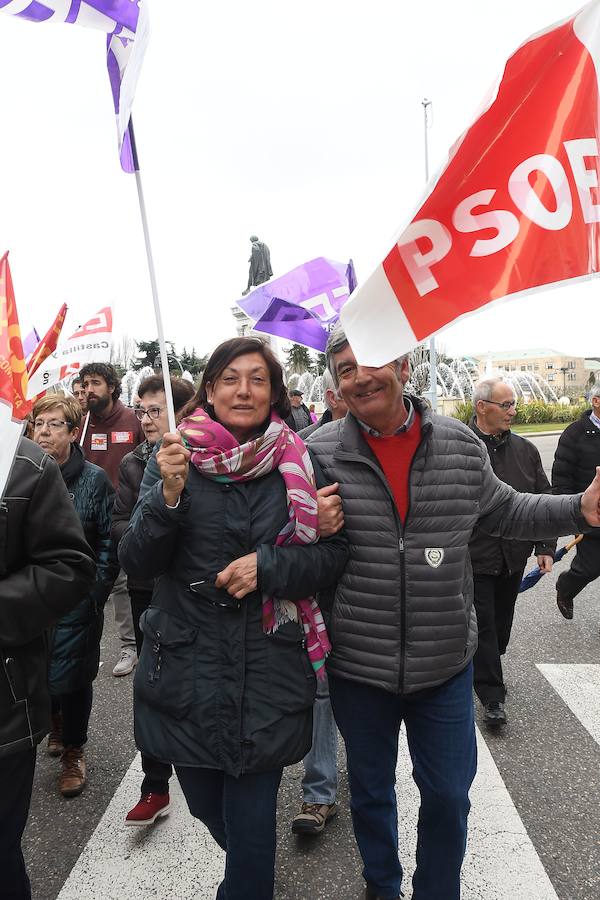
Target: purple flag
294, 323
30, 343
125, 22
304, 304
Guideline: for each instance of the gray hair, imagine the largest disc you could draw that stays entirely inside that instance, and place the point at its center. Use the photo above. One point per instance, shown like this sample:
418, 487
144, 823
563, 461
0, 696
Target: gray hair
484, 389
328, 384
595, 390
337, 342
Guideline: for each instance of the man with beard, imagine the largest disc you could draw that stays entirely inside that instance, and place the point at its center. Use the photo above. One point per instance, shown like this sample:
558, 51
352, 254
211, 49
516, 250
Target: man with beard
112, 432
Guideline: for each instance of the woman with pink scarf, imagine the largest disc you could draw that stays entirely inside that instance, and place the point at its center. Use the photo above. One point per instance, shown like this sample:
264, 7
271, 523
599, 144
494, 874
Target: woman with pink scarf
234, 640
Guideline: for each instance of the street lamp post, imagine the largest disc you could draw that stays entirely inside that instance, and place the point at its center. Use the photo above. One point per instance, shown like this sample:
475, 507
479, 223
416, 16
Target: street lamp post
564, 370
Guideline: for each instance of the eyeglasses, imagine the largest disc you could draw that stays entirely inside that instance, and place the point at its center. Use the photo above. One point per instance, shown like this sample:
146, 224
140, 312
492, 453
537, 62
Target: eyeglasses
153, 412
54, 425
506, 405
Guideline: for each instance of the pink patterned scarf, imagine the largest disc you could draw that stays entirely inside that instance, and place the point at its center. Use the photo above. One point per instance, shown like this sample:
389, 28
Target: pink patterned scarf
217, 454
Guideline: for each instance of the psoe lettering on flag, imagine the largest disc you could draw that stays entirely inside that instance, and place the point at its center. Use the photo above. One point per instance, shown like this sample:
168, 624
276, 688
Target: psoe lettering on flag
125, 22
91, 342
517, 206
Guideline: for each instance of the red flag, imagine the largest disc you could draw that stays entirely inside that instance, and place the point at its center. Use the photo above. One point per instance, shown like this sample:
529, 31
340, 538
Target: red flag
13, 371
48, 343
517, 206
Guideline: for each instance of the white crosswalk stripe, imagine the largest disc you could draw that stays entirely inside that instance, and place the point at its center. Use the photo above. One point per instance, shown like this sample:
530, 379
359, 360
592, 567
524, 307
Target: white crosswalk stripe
501, 862
178, 856
579, 687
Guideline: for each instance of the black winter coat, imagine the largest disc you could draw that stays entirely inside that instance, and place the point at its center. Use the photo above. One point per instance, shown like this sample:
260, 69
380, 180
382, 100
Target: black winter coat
76, 638
45, 568
211, 689
517, 462
575, 460
131, 472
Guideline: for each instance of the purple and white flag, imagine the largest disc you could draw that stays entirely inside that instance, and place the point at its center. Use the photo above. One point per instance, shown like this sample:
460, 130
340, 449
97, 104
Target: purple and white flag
30, 342
125, 23
303, 305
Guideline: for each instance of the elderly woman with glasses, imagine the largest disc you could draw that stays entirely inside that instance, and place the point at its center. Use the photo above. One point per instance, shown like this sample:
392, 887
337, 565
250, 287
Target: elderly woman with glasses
76, 640
151, 410
227, 525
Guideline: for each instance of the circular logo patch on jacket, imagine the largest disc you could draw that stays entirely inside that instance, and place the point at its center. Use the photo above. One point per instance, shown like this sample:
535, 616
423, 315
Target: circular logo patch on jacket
434, 556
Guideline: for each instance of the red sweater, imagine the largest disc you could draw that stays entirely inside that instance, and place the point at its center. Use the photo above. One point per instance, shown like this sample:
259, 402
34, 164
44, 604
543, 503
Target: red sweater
108, 440
395, 453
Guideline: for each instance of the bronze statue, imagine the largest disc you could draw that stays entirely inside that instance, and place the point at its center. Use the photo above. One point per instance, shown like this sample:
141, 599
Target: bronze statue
260, 264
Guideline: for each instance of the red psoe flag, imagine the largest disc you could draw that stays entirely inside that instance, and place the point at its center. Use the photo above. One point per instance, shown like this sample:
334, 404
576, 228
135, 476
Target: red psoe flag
517, 206
13, 371
48, 343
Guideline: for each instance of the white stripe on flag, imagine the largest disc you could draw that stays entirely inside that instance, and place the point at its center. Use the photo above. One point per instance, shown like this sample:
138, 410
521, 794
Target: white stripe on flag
375, 322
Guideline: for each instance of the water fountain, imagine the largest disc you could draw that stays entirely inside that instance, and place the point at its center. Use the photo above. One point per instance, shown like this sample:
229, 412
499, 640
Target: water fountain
310, 385
131, 381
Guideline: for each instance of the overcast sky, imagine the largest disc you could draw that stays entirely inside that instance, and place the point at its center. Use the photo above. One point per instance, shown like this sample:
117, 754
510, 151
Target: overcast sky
300, 122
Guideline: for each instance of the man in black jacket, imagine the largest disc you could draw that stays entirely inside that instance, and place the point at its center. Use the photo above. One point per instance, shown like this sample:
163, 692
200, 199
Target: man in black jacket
46, 567
299, 418
498, 564
578, 454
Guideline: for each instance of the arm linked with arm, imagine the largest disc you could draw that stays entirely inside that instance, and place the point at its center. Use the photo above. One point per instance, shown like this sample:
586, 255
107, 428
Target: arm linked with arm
295, 572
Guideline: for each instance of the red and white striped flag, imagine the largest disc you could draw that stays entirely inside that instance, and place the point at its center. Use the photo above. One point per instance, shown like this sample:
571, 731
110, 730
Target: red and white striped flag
516, 207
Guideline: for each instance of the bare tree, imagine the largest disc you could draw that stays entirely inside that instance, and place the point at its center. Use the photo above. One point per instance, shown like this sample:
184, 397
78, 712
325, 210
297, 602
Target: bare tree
122, 351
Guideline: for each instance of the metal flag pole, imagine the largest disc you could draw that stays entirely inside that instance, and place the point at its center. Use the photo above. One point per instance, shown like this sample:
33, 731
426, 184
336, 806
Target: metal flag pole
432, 352
159, 326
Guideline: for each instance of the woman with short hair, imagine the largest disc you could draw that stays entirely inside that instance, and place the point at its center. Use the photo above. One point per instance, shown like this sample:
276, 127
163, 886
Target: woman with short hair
76, 638
227, 525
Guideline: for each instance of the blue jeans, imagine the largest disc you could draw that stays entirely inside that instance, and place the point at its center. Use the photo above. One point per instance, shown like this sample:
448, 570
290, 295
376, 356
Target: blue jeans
441, 738
319, 784
240, 813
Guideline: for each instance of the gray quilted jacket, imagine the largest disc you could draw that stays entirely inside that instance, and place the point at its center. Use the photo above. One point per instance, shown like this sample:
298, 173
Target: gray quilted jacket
403, 616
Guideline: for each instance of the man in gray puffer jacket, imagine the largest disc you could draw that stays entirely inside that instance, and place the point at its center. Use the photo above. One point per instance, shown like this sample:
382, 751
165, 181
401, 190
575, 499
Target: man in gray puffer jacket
403, 626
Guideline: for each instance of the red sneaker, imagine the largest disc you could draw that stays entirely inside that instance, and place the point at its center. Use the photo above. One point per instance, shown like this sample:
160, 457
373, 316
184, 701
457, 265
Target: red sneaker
148, 809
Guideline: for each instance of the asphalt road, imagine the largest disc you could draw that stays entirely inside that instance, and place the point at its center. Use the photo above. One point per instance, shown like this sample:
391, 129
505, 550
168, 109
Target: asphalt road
546, 774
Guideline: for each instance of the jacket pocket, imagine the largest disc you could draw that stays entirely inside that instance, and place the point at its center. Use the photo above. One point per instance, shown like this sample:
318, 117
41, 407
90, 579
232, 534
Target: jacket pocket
291, 675
164, 677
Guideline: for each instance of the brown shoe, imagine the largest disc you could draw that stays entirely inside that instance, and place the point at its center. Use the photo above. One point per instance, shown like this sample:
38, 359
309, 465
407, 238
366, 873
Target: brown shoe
55, 744
73, 775
313, 817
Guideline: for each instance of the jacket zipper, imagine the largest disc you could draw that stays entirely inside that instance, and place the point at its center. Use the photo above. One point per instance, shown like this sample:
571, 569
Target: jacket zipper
401, 531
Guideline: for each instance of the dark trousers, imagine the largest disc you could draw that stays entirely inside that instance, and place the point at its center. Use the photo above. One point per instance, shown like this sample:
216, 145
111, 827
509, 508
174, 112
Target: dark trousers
75, 709
156, 773
16, 781
584, 568
240, 813
441, 738
495, 597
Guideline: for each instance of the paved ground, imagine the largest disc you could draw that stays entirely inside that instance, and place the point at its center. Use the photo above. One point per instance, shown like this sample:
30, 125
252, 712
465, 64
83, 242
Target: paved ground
535, 823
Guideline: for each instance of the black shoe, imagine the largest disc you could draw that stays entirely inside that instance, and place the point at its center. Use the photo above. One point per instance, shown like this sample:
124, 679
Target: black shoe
494, 713
565, 606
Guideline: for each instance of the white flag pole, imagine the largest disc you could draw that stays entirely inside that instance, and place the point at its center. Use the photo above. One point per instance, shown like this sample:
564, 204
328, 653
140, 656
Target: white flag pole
432, 352
159, 326
86, 422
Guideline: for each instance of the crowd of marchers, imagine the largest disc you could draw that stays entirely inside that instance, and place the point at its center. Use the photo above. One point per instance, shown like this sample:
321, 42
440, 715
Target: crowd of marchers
276, 580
